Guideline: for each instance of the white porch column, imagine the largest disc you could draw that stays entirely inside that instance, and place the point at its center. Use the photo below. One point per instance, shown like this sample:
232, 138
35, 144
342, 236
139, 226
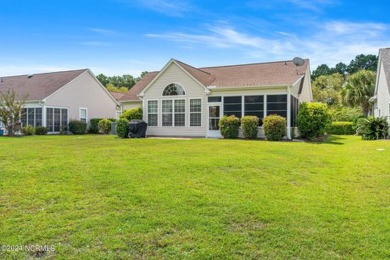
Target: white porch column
288, 113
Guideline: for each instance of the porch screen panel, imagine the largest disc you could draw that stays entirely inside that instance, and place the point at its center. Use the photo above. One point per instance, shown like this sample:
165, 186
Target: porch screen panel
232, 106
294, 111
277, 104
49, 119
30, 116
24, 117
38, 117
254, 106
64, 119
57, 119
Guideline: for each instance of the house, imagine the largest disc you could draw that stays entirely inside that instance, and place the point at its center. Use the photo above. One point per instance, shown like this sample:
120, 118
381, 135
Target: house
53, 99
181, 100
382, 85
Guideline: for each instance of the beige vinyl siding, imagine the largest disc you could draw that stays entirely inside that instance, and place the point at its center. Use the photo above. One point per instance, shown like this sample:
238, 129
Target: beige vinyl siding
174, 74
84, 92
127, 105
383, 96
306, 95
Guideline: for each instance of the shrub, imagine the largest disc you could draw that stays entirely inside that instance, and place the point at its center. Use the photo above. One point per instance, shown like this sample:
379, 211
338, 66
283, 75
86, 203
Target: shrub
250, 127
41, 130
340, 128
274, 127
135, 113
121, 127
373, 128
104, 126
229, 126
28, 130
77, 127
345, 114
94, 125
313, 118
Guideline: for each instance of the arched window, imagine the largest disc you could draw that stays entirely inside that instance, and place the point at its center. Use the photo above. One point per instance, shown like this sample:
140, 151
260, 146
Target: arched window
174, 90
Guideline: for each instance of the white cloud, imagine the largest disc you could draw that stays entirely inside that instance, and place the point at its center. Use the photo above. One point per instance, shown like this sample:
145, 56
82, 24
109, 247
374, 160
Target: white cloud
331, 42
166, 7
102, 31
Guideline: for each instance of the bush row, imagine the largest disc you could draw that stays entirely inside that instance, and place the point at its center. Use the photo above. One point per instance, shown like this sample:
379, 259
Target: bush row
30, 130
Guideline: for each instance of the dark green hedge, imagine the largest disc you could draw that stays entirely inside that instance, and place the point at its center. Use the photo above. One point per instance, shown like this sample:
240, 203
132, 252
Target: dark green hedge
250, 126
77, 127
229, 126
274, 127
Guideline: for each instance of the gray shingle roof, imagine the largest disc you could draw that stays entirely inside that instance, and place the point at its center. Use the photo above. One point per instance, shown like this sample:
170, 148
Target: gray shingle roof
39, 86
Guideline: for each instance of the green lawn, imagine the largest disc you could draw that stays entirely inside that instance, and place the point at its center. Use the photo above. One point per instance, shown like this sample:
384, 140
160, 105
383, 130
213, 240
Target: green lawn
103, 197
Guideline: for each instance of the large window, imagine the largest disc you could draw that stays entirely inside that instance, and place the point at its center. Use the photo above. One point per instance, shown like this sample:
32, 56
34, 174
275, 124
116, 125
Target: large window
174, 90
232, 106
32, 116
254, 106
277, 104
174, 112
152, 112
195, 112
56, 119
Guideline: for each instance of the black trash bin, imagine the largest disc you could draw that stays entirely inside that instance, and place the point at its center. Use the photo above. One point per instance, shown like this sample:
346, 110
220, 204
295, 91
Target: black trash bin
137, 128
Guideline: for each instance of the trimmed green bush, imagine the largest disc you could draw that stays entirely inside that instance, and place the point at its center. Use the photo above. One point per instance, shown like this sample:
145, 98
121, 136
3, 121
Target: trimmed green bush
104, 126
135, 113
229, 126
373, 128
250, 126
274, 127
121, 127
41, 130
313, 119
28, 130
340, 128
94, 125
77, 127
345, 114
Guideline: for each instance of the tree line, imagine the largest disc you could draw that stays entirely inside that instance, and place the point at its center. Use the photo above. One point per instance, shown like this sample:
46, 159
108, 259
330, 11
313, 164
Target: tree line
346, 87
119, 83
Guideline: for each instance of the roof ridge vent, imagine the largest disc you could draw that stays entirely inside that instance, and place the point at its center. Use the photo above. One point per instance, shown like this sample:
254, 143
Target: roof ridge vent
29, 76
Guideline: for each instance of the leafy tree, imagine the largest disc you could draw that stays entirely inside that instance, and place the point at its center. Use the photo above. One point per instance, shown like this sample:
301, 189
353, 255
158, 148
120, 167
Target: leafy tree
359, 88
110, 87
321, 70
11, 108
103, 79
363, 62
327, 89
143, 73
341, 68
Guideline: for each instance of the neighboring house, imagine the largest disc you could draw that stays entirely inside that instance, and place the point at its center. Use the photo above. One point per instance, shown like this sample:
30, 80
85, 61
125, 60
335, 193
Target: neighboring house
382, 86
53, 99
181, 100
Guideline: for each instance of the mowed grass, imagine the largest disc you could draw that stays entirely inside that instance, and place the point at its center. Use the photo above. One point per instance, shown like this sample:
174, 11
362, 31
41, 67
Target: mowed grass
102, 197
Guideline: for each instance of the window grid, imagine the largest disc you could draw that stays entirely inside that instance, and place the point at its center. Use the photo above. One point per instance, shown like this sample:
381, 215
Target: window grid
152, 112
195, 112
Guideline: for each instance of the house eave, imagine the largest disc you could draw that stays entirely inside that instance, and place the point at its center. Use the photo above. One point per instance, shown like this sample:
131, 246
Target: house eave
240, 88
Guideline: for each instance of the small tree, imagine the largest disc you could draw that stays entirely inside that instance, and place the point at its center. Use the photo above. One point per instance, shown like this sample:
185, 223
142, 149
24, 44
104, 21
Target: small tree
313, 118
11, 108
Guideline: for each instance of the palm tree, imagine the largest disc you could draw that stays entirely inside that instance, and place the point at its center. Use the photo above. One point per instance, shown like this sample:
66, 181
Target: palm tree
359, 88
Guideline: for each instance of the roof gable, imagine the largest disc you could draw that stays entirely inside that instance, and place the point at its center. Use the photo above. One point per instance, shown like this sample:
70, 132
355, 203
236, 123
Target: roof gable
281, 73
384, 61
39, 86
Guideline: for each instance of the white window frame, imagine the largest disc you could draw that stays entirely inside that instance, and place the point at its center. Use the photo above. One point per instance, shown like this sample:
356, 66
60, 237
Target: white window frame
157, 113
201, 111
86, 114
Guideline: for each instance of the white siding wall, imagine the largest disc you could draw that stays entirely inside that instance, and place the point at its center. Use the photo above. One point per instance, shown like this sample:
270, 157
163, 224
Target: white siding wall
127, 105
383, 96
306, 95
174, 74
84, 92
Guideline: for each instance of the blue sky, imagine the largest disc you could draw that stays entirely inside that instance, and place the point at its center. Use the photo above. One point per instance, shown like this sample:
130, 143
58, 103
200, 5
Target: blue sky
118, 37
